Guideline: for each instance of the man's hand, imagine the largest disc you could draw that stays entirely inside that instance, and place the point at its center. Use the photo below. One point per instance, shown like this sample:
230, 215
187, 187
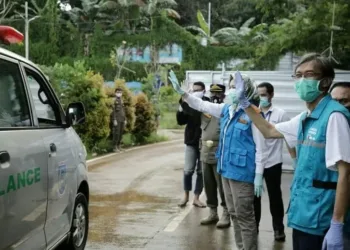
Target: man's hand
334, 237
258, 185
240, 90
115, 123
175, 83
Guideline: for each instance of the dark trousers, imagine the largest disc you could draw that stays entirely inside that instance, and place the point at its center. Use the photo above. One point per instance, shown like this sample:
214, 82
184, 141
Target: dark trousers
305, 241
213, 183
346, 240
118, 134
272, 177
192, 163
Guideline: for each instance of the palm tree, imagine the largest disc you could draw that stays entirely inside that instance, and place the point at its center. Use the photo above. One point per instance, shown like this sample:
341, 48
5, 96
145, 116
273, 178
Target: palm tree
84, 19
5, 9
134, 14
151, 10
233, 36
229, 35
202, 30
121, 14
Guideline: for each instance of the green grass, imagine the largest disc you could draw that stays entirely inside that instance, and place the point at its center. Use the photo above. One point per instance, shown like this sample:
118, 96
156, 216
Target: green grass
154, 138
89, 156
128, 140
168, 121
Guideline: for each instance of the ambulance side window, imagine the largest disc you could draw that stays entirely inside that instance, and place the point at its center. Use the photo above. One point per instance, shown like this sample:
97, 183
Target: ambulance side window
44, 106
14, 106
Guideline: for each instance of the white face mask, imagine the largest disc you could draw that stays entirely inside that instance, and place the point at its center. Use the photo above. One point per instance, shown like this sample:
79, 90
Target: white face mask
118, 94
198, 94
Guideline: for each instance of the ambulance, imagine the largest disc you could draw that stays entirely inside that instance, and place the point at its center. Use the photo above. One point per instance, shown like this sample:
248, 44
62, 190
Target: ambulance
44, 189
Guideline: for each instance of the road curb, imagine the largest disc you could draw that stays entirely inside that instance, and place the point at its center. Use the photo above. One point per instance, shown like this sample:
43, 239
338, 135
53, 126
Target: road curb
131, 149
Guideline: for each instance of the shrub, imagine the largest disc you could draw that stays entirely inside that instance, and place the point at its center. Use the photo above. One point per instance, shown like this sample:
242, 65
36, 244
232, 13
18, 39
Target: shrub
145, 123
76, 84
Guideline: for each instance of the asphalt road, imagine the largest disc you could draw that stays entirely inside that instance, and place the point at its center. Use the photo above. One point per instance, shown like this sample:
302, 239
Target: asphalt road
134, 198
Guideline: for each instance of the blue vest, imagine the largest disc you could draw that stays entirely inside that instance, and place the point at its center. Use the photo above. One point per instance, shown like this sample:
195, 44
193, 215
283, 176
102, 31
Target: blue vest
236, 151
313, 193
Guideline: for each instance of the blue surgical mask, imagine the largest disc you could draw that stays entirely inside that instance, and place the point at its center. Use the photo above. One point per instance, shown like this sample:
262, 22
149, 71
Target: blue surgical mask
308, 89
264, 102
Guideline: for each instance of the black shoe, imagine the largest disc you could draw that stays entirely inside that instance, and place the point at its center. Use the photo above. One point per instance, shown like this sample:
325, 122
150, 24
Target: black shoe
280, 235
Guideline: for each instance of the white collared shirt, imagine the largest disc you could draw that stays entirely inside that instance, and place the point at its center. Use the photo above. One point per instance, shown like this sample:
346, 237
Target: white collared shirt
337, 137
274, 147
215, 109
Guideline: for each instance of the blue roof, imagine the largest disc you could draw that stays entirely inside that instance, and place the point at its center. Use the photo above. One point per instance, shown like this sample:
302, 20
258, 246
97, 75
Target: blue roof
135, 87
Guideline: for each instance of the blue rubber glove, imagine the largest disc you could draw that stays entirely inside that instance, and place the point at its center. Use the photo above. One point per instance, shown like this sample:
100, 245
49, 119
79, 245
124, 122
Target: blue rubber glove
334, 237
175, 83
294, 163
240, 90
258, 185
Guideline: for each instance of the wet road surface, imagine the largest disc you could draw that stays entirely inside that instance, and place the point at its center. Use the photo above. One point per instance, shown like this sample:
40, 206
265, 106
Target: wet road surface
134, 198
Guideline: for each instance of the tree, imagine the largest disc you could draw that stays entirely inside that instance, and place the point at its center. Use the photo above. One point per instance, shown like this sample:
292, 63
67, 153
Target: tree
151, 9
228, 36
127, 14
84, 19
6, 6
308, 29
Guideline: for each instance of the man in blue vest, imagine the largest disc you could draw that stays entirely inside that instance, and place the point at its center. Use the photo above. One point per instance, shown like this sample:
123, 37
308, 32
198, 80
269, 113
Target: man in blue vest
321, 185
240, 158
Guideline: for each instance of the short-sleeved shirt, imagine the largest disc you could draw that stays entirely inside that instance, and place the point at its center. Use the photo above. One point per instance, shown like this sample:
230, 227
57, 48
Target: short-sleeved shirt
337, 142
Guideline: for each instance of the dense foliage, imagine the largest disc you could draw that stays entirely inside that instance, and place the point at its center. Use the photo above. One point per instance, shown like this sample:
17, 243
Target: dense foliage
91, 29
76, 83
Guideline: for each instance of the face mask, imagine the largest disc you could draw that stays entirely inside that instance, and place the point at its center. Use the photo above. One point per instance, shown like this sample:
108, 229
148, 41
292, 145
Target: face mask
216, 99
307, 89
118, 95
198, 94
232, 96
264, 102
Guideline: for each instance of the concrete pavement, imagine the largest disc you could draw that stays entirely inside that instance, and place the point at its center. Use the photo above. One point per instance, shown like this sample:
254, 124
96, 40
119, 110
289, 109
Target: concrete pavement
134, 199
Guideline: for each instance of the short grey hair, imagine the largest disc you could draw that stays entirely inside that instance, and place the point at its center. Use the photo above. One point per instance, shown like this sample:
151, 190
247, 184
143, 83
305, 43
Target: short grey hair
324, 64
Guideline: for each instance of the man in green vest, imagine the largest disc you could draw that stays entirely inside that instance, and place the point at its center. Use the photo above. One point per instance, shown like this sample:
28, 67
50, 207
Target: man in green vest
212, 179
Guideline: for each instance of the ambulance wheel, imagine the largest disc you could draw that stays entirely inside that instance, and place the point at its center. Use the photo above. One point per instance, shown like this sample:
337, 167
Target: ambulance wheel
80, 224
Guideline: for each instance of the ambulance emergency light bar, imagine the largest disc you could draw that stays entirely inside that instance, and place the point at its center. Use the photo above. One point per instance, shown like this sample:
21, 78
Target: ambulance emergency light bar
9, 35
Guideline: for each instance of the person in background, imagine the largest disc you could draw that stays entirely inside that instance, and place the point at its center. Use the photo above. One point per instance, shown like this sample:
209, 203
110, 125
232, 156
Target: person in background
192, 119
239, 155
319, 200
119, 119
212, 179
273, 163
340, 91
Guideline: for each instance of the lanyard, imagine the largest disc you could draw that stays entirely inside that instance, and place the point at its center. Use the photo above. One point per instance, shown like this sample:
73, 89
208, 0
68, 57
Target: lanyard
267, 116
